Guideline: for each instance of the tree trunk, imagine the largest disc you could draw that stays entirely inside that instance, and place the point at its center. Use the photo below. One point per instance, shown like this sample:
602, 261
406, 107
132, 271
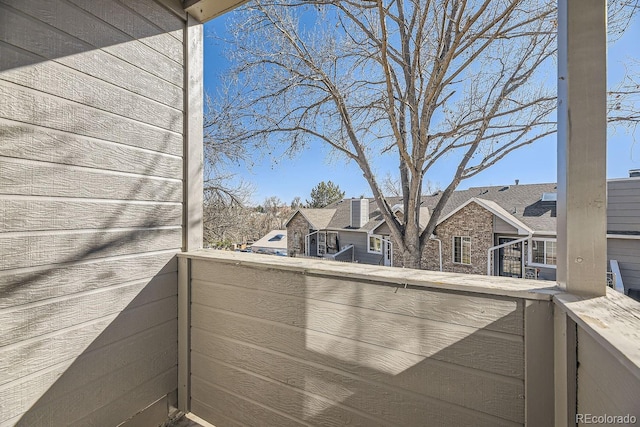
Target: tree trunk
412, 258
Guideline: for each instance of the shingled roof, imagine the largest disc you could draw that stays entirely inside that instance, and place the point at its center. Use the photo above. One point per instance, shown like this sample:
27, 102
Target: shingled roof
523, 202
318, 218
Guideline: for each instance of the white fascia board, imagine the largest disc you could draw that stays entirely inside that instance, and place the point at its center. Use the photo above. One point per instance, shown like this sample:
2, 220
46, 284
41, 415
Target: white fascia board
205, 10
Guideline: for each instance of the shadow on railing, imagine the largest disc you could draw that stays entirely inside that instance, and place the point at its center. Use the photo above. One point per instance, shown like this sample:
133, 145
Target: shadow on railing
281, 340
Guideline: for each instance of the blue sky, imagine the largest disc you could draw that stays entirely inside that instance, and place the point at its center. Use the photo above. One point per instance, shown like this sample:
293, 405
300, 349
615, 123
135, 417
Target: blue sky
289, 177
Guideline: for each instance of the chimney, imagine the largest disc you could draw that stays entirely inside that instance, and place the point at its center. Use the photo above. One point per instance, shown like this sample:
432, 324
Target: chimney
517, 181
634, 173
359, 212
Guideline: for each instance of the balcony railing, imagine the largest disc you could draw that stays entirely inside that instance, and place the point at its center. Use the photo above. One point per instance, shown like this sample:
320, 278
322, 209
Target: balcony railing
286, 341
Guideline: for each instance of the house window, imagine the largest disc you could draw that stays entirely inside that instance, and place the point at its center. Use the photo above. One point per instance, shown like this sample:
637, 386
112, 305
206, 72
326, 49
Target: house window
462, 250
375, 244
543, 252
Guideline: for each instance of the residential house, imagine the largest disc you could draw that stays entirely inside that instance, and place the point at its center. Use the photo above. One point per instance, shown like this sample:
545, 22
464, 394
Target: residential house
345, 230
272, 243
506, 230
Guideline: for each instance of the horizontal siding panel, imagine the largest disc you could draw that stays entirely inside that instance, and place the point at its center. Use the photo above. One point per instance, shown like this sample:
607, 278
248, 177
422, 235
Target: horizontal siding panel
23, 323
630, 261
69, 343
58, 80
630, 275
29, 251
120, 16
129, 403
64, 409
300, 405
39, 215
623, 184
29, 142
387, 403
21, 287
621, 196
475, 348
592, 400
619, 208
612, 383
623, 244
43, 179
91, 365
628, 222
417, 374
98, 34
138, 318
476, 311
624, 249
26, 49
23, 105
36, 37
160, 16
308, 407
222, 408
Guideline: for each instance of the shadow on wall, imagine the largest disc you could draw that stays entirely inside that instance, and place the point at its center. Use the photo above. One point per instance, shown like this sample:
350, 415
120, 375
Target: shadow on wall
99, 372
271, 348
90, 193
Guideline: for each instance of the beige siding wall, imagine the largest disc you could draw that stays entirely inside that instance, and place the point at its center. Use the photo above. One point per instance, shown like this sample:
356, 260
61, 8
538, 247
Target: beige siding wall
292, 346
501, 226
605, 386
91, 141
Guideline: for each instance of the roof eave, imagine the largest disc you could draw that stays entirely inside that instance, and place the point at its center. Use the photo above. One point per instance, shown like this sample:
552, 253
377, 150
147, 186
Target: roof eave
205, 10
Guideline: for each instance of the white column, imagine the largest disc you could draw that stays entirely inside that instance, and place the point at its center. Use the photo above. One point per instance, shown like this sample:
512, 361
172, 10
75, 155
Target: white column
193, 148
582, 127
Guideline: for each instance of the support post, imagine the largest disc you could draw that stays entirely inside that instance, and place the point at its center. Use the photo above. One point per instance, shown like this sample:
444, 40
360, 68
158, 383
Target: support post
538, 363
582, 132
184, 334
193, 141
565, 369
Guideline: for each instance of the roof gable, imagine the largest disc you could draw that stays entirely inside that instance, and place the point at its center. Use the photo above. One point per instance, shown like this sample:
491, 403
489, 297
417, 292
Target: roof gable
318, 218
495, 209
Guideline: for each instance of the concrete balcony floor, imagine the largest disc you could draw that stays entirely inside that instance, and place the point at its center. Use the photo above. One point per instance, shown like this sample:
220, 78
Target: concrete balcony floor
190, 420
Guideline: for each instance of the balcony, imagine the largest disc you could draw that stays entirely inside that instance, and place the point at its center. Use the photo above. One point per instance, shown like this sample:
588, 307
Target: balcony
110, 316
285, 341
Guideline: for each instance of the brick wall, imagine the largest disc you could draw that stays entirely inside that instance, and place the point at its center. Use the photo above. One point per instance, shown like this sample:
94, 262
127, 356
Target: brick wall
471, 221
297, 228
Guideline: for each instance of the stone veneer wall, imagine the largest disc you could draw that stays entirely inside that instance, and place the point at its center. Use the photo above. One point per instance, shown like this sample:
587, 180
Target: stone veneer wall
297, 224
471, 221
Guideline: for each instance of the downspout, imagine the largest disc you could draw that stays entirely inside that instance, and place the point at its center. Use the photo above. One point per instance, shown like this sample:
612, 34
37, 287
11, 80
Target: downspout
433, 237
493, 248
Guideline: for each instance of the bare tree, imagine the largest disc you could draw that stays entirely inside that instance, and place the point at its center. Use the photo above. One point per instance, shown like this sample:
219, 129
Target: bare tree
392, 186
418, 80
624, 99
296, 203
225, 214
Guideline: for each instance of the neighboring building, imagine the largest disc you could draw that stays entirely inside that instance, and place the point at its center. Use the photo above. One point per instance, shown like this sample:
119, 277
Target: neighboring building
272, 243
345, 231
499, 230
